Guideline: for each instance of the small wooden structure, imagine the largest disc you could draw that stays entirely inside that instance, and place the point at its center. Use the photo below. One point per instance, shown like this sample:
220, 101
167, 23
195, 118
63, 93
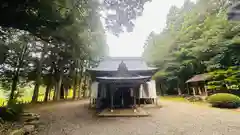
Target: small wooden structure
117, 83
234, 12
197, 84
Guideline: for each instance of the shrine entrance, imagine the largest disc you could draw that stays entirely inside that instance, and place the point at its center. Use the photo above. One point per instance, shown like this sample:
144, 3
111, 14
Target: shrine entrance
123, 97
118, 95
118, 86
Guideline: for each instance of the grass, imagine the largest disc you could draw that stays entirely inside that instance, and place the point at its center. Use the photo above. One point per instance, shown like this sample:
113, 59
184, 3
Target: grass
2, 101
199, 104
27, 95
174, 98
181, 99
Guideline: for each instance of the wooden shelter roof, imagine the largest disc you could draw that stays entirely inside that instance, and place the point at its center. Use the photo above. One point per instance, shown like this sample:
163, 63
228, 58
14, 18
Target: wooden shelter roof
199, 78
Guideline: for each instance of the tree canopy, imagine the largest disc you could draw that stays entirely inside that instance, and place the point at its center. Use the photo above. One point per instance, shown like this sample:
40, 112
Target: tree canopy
198, 38
42, 17
51, 42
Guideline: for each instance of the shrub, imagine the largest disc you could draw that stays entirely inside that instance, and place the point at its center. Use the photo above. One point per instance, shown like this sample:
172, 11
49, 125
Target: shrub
11, 112
195, 98
224, 100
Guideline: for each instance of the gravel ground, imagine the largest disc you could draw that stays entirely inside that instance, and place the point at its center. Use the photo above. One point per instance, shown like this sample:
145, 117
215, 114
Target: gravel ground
73, 118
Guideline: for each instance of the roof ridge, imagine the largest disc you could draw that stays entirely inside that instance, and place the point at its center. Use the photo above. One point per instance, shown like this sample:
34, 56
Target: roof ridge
124, 58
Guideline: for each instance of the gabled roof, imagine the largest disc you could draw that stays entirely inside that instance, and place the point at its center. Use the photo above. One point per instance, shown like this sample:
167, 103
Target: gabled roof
132, 64
199, 77
124, 79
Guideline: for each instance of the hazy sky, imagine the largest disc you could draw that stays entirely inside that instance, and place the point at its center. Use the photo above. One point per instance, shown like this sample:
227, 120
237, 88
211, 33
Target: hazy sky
153, 19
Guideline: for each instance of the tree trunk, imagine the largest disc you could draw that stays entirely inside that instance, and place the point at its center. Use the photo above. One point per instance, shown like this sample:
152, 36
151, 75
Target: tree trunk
14, 87
47, 92
85, 80
162, 88
179, 88
16, 73
85, 86
62, 92
37, 82
55, 92
159, 87
80, 85
89, 85
179, 92
75, 86
38, 75
49, 85
66, 92
58, 88
35, 92
76, 66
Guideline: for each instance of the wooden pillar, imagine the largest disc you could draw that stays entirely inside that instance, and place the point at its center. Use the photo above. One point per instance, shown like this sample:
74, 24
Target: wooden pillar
134, 100
139, 93
206, 91
112, 89
122, 99
188, 89
156, 100
111, 102
194, 91
139, 102
199, 91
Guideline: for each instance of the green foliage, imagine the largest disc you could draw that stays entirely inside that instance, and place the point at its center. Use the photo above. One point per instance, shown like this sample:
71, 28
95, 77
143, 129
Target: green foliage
120, 14
229, 77
197, 39
12, 111
2, 101
52, 43
224, 100
44, 17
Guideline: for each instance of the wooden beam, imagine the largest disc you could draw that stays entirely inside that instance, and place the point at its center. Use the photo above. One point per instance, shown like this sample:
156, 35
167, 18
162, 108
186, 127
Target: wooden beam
112, 89
134, 100
199, 91
194, 91
206, 91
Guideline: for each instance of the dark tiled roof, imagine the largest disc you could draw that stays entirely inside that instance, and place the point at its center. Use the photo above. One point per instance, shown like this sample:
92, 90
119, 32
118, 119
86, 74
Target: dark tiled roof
234, 12
199, 77
132, 63
123, 78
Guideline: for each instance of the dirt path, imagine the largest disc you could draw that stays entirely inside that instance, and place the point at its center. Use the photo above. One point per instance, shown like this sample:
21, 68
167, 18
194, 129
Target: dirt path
72, 118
